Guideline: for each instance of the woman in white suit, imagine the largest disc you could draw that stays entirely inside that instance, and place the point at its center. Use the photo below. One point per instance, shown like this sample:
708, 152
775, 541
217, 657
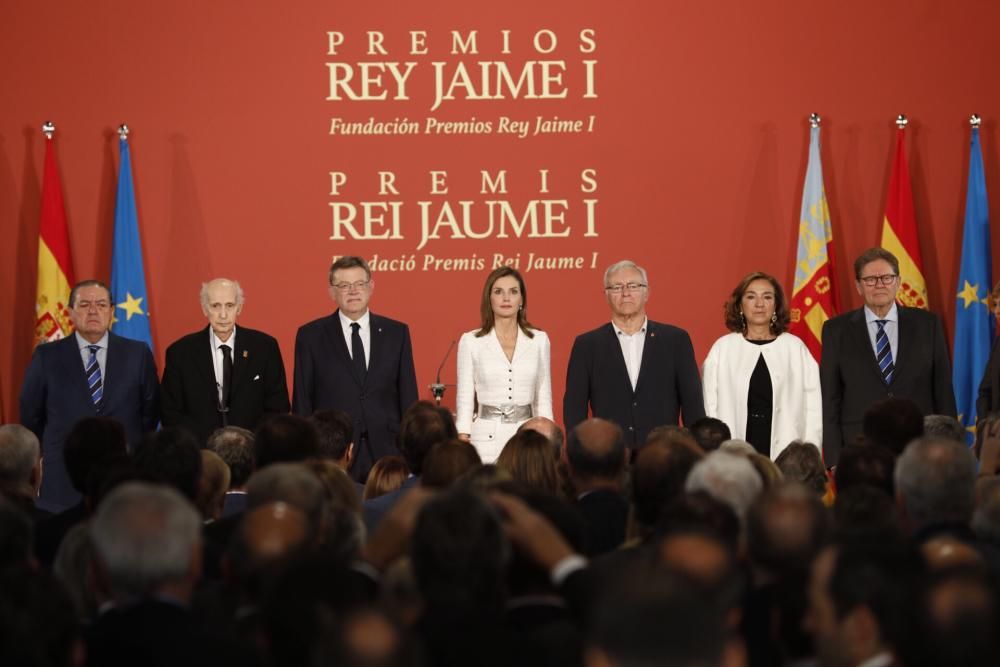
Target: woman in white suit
503, 368
760, 380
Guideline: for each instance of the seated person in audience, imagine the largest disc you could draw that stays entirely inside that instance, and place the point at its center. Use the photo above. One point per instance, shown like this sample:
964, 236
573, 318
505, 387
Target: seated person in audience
234, 445
893, 423
21, 468
943, 426
865, 463
448, 462
595, 459
801, 462
548, 428
528, 458
388, 474
935, 489
658, 475
212, 485
710, 432
285, 439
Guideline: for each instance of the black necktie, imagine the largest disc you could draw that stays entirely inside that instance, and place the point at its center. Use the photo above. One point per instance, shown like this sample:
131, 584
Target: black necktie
358, 351
227, 374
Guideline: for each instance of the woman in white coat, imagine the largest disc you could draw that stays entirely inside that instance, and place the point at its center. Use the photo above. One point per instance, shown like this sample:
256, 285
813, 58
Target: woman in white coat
503, 368
760, 380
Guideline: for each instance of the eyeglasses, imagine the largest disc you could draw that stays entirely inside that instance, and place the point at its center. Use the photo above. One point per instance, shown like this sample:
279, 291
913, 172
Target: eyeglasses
98, 305
357, 285
886, 279
627, 287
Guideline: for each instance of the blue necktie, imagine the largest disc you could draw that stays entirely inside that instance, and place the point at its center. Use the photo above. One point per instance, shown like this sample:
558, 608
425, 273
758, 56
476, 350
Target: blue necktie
883, 353
94, 375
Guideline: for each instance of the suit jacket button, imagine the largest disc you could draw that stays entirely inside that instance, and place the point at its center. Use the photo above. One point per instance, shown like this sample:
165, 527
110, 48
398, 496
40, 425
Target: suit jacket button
636, 404
630, 428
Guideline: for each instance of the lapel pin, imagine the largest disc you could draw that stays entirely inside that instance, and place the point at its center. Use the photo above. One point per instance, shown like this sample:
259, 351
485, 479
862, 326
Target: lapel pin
245, 354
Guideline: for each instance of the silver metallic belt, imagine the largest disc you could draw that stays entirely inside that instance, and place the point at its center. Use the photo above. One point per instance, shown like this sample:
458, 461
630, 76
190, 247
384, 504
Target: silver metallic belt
507, 413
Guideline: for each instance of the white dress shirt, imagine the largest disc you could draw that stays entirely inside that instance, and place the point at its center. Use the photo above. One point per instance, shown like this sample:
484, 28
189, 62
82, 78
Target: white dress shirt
632, 346
365, 332
891, 329
217, 356
102, 354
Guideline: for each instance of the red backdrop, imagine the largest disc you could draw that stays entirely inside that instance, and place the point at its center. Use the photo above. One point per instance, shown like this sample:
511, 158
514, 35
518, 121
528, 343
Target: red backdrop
698, 148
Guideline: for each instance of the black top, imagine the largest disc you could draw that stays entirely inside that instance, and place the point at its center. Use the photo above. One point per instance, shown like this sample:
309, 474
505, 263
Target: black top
760, 400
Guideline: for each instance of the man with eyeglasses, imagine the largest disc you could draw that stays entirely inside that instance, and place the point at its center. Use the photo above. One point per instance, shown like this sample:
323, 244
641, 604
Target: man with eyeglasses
92, 373
882, 350
224, 374
635, 372
358, 362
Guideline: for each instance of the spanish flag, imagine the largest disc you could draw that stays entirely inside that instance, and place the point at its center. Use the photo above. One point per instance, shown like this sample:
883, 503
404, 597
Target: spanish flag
55, 265
814, 294
899, 229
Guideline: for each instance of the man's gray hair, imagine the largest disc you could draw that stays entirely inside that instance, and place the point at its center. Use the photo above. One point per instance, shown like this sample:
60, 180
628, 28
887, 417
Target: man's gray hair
935, 479
145, 535
19, 454
621, 266
234, 445
291, 483
944, 426
203, 294
729, 478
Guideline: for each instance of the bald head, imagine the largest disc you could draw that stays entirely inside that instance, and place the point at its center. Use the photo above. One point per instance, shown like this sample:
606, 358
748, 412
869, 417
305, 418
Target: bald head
273, 531
546, 427
596, 450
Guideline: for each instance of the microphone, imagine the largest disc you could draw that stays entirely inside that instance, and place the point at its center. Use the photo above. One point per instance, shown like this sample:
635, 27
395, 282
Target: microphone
437, 389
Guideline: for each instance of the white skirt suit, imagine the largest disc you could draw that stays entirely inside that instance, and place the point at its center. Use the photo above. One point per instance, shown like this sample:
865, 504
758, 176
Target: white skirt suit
487, 377
797, 412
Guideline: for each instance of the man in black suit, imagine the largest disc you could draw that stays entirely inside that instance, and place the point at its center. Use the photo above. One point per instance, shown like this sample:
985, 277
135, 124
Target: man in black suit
92, 373
635, 372
880, 351
595, 458
358, 362
223, 375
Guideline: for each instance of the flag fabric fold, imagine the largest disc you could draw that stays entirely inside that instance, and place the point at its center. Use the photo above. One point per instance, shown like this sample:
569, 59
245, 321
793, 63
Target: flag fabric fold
55, 263
899, 231
814, 294
973, 320
128, 278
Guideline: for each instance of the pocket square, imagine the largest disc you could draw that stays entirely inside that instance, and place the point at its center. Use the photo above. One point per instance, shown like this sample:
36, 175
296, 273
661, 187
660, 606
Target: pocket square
256, 377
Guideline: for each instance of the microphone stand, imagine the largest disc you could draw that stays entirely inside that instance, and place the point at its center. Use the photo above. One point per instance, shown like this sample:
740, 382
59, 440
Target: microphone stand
437, 389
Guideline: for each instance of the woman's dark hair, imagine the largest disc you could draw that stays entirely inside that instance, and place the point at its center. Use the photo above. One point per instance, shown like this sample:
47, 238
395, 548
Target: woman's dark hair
734, 306
486, 306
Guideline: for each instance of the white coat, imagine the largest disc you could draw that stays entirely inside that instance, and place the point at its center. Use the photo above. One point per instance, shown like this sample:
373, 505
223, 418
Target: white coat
797, 412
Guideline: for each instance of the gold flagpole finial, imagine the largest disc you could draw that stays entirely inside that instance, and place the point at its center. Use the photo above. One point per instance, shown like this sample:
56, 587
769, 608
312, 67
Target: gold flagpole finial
975, 120
901, 121
48, 129
123, 131
814, 120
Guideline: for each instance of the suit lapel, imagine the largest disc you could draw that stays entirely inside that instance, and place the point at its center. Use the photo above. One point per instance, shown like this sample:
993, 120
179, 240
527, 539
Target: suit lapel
73, 360
241, 365
904, 330
335, 333
615, 352
862, 341
376, 339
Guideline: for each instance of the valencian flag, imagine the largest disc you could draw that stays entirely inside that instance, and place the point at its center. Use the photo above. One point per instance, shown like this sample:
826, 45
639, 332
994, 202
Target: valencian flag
973, 320
899, 229
55, 264
814, 295
128, 279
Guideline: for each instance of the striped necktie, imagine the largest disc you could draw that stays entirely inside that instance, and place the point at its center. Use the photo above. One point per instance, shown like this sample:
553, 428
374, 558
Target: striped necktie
94, 376
883, 352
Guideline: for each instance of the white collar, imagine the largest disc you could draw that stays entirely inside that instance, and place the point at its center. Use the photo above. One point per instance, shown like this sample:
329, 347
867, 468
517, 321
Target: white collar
216, 342
621, 332
346, 322
83, 342
891, 316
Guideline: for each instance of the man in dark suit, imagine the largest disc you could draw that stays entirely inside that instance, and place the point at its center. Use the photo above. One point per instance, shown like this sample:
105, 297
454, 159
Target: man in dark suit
595, 459
223, 375
635, 372
880, 351
91, 373
358, 362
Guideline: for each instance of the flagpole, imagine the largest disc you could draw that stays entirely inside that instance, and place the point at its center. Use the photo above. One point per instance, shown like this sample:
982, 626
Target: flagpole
48, 129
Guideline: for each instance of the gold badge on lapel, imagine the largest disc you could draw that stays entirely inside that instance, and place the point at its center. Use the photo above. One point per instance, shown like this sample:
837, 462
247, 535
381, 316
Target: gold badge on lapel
245, 354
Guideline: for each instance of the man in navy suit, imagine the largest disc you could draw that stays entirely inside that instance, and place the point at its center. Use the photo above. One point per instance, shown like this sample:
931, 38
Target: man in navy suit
632, 371
223, 375
358, 362
92, 373
880, 351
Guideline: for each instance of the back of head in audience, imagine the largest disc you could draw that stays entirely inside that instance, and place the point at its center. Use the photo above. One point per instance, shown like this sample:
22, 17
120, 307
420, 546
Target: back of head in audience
170, 456
658, 476
234, 445
344, 531
93, 444
446, 463
38, 627
786, 528
291, 483
730, 478
710, 433
944, 426
893, 423
336, 432
387, 475
285, 439
548, 428
529, 459
865, 463
147, 542
595, 452
770, 473
423, 425
213, 485
935, 484
864, 514
959, 618
268, 537
801, 462
20, 462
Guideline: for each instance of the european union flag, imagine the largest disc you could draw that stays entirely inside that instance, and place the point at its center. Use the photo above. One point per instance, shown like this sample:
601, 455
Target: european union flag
128, 279
973, 321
